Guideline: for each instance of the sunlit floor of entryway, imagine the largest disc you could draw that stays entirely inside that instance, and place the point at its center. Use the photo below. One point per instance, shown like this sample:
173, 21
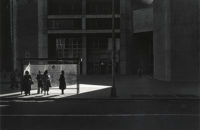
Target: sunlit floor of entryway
55, 92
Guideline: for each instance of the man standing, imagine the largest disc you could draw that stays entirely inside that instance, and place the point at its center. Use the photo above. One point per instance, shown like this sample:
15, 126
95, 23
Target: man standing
62, 83
27, 82
46, 82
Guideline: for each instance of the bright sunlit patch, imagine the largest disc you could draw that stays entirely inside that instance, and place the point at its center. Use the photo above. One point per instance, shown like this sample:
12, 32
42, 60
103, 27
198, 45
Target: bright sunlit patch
84, 88
3, 105
147, 1
9, 94
55, 92
33, 101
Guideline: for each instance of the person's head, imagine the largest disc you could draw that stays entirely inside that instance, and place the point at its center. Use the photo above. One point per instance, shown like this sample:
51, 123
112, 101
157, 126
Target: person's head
26, 73
62, 72
39, 72
45, 72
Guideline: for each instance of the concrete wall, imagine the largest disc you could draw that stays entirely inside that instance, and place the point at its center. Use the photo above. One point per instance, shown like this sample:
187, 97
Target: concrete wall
184, 35
42, 29
125, 36
161, 39
6, 44
143, 20
1, 36
27, 28
176, 49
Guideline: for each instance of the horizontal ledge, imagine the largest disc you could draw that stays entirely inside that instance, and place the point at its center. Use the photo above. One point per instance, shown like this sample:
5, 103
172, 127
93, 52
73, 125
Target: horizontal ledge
81, 16
82, 31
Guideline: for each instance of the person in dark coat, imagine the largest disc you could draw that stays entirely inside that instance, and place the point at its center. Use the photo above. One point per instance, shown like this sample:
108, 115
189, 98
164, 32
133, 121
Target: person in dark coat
46, 83
39, 79
27, 82
62, 83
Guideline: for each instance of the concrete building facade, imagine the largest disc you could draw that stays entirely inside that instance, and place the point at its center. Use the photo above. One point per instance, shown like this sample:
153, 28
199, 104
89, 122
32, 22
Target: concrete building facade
161, 36
176, 40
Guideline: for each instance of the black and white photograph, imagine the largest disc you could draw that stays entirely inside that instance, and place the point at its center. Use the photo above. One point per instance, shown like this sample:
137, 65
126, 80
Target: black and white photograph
99, 64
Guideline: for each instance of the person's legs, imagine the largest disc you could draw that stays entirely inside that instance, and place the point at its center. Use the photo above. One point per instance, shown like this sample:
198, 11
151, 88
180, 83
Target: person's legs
41, 90
26, 92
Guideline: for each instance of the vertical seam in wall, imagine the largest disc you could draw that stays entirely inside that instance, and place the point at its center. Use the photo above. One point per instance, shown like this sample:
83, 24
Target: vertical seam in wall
11, 32
13, 16
39, 33
168, 50
170, 46
198, 26
42, 30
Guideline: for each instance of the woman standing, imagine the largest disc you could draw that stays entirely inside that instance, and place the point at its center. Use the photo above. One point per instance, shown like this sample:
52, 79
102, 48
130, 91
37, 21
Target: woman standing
62, 83
27, 81
46, 83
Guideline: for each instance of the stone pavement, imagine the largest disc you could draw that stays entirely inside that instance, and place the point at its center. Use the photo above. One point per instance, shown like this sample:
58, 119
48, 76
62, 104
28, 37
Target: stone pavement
94, 109
128, 87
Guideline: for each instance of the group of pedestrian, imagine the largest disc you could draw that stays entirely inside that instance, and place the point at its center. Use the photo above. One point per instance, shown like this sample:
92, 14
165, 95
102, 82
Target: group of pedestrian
43, 82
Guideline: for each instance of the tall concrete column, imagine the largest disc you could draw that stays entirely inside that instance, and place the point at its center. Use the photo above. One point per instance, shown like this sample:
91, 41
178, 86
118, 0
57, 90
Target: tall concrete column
125, 35
199, 39
42, 29
1, 41
84, 42
176, 41
161, 40
13, 29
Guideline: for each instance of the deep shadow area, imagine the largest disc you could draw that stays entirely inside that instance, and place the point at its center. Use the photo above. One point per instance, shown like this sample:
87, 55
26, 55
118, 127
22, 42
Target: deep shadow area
101, 114
102, 123
129, 87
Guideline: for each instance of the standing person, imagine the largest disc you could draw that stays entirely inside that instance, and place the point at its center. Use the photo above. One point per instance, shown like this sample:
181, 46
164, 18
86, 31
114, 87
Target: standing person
39, 79
46, 83
62, 83
27, 81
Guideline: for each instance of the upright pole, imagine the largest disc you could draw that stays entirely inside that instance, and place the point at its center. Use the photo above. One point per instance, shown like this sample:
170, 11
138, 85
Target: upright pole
113, 88
77, 76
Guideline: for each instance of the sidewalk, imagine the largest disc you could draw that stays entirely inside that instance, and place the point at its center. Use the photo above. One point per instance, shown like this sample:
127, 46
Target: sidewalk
144, 87
127, 87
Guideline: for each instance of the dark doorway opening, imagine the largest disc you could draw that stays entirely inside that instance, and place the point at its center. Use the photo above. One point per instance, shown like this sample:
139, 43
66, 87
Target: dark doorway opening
144, 51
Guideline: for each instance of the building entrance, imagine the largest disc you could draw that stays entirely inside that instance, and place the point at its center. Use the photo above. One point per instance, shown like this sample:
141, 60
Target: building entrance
99, 55
144, 52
